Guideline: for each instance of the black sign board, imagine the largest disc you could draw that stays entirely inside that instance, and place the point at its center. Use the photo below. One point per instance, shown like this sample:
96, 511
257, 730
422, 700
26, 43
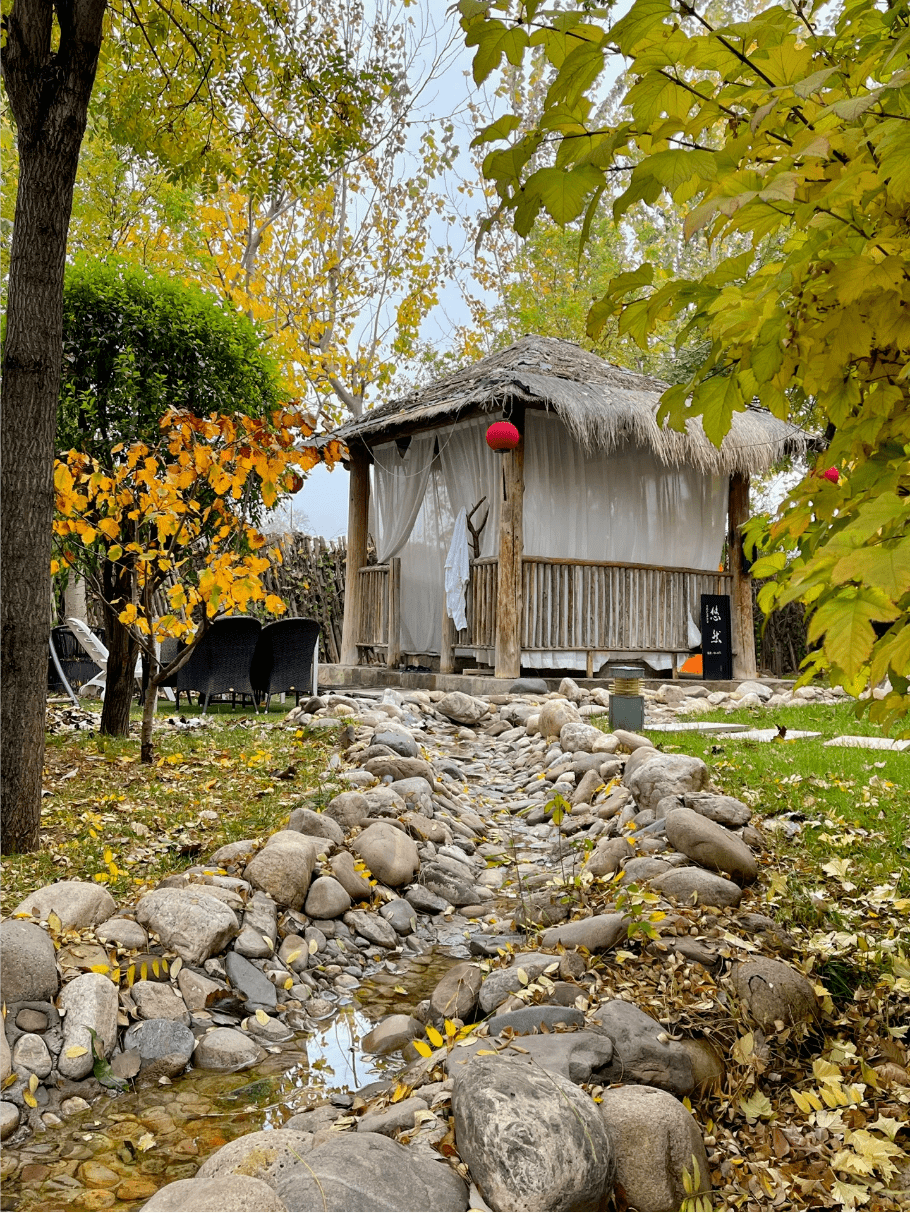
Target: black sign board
716, 645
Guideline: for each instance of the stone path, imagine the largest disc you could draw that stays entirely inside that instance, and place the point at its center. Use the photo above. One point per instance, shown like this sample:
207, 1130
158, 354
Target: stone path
508, 830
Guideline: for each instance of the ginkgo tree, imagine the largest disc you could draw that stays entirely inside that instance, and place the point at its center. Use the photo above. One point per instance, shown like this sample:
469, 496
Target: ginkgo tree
170, 517
791, 129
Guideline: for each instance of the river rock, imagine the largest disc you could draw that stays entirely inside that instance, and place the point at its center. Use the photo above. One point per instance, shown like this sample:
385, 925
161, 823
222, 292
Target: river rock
226, 1049
400, 915
28, 963
90, 1001
283, 868
711, 845
252, 982
6, 1060
354, 883
9, 1119
499, 984
369, 1171
392, 1119
659, 775
349, 809
123, 932
391, 1035
195, 988
76, 903
532, 1140
400, 768
260, 928
774, 993
529, 1019
644, 867
725, 810
608, 857
425, 900
640, 1056
575, 736
268, 1155
398, 740
528, 686
463, 709
707, 888
455, 996
327, 898
189, 921
425, 829
453, 889
158, 1000
632, 741
656, 1141
238, 1194
372, 927
597, 934
30, 1055
316, 825
154, 1038
554, 714
389, 854
578, 1056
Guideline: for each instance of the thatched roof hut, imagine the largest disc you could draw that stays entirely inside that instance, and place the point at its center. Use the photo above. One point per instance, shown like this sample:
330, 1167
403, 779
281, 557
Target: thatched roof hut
601, 405
603, 528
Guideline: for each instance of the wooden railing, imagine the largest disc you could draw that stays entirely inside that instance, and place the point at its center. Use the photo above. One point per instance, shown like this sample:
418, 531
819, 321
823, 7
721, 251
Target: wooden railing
599, 605
374, 606
481, 605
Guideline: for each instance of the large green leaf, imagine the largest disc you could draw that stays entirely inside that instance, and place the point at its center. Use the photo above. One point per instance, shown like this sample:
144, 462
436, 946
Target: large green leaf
562, 193
885, 565
845, 621
715, 400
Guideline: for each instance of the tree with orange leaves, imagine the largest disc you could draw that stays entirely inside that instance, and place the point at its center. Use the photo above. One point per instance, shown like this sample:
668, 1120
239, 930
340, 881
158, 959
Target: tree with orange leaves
175, 517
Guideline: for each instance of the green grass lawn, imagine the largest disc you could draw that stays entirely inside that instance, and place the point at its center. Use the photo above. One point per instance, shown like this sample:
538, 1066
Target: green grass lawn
847, 869
109, 818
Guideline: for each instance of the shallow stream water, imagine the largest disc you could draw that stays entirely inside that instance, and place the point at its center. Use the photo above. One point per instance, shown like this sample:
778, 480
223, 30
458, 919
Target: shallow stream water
117, 1154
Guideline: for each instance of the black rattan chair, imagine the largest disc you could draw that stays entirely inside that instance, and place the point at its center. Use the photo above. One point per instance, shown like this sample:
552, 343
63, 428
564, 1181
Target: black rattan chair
220, 663
286, 659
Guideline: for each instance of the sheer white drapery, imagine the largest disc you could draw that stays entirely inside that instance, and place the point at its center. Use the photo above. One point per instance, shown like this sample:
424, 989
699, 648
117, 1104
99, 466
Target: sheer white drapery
399, 487
624, 506
458, 570
472, 471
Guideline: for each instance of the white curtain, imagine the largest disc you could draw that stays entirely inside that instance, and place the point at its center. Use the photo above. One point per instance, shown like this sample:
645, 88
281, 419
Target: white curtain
399, 487
625, 506
472, 471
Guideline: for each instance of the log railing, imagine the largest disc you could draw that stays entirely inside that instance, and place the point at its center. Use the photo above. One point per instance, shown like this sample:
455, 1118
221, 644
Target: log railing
481, 605
604, 605
374, 606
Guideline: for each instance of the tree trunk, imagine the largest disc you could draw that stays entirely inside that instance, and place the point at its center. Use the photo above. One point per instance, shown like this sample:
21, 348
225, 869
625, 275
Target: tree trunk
120, 684
48, 93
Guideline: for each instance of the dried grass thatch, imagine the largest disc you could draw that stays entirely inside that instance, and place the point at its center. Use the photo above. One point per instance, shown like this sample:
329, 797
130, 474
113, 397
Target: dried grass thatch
603, 406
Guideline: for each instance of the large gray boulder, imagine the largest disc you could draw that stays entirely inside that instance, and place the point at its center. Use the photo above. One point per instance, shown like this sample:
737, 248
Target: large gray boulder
657, 1141
642, 1053
349, 809
658, 775
725, 810
353, 882
578, 1056
400, 768
711, 845
367, 1171
88, 1001
531, 1138
463, 709
389, 854
267, 1155
597, 934
284, 867
554, 714
76, 903
190, 921
499, 984
327, 898
28, 963
316, 825
238, 1194
774, 993
707, 888
226, 1049
455, 996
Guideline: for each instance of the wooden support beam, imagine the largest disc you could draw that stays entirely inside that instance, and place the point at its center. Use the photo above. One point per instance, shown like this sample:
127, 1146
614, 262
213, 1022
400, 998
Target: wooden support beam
511, 548
393, 652
447, 641
741, 621
358, 516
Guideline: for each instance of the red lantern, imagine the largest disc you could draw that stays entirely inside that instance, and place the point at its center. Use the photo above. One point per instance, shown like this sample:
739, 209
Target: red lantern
832, 474
295, 482
503, 436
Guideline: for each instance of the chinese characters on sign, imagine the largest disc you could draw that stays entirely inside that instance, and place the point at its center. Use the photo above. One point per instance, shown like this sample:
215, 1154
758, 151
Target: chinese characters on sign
716, 646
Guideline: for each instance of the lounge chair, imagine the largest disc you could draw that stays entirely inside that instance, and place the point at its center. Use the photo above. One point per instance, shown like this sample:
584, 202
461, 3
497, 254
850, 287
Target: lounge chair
99, 654
220, 663
286, 659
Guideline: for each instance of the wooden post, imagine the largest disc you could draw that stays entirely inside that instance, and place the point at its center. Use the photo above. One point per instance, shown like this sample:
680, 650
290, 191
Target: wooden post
741, 620
447, 642
358, 515
511, 545
393, 652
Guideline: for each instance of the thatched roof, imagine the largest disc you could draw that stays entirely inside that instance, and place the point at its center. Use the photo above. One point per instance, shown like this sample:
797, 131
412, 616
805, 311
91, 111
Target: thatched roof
603, 406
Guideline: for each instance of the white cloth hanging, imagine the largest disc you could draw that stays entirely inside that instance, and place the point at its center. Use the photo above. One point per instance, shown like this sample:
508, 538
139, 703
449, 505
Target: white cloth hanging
458, 570
400, 485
